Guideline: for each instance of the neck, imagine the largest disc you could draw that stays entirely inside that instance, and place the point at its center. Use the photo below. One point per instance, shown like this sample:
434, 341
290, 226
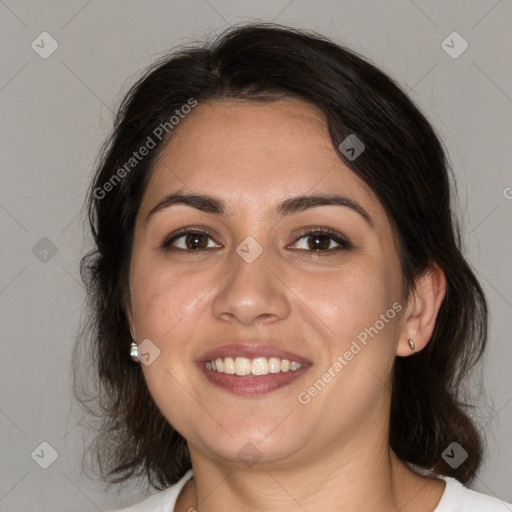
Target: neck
372, 478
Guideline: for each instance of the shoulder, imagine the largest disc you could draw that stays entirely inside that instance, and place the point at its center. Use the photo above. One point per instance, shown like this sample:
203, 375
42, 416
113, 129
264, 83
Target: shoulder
458, 498
162, 501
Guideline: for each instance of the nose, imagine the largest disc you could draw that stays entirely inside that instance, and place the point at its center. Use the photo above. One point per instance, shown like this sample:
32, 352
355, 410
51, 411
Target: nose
252, 293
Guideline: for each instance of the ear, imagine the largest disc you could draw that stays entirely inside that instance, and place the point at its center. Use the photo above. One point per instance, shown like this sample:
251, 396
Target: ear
423, 305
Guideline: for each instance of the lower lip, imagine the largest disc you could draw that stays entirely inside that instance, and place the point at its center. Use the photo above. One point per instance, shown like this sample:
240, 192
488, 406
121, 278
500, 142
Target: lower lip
251, 385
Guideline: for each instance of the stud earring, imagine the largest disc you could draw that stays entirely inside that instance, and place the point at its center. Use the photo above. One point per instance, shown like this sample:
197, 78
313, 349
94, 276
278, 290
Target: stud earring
412, 345
134, 351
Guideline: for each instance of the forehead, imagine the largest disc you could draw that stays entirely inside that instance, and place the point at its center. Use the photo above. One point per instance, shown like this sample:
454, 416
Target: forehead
255, 154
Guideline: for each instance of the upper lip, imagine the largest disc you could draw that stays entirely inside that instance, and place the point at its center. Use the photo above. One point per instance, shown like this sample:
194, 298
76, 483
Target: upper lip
250, 351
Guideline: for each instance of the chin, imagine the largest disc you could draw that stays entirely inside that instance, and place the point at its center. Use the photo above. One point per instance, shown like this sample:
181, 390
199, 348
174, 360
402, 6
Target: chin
253, 446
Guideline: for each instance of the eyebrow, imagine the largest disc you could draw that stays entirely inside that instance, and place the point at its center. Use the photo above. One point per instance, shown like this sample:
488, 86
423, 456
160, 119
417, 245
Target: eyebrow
213, 205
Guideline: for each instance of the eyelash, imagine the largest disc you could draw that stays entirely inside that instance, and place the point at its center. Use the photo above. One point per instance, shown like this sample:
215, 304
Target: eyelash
343, 243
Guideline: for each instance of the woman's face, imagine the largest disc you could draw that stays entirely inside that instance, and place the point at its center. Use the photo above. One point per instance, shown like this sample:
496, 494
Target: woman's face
250, 281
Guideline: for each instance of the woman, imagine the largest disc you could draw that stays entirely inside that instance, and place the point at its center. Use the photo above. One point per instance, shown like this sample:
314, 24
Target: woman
275, 249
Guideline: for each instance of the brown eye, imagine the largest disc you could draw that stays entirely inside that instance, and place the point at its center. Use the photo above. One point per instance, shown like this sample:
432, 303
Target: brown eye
190, 241
322, 241
195, 241
319, 242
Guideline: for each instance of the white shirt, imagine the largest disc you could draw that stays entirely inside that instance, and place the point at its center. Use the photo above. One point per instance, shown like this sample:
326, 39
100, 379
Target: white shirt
456, 498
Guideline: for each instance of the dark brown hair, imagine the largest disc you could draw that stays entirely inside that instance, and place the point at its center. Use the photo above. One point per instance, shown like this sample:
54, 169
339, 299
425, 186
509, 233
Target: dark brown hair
403, 162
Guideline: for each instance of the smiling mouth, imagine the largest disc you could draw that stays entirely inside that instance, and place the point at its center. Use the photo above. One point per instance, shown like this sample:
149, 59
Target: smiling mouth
251, 367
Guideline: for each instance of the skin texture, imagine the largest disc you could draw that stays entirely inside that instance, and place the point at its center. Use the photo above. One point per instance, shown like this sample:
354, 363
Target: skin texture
333, 452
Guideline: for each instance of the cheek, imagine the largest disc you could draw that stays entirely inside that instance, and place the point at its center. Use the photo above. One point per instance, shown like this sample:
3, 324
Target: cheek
350, 299
164, 304
361, 308
161, 299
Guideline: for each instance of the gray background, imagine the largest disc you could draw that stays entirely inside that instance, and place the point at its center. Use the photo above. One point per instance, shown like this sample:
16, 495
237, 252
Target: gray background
55, 113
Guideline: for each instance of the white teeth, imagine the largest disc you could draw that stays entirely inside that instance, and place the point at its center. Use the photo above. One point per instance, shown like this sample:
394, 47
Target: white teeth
274, 365
229, 366
242, 366
258, 366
